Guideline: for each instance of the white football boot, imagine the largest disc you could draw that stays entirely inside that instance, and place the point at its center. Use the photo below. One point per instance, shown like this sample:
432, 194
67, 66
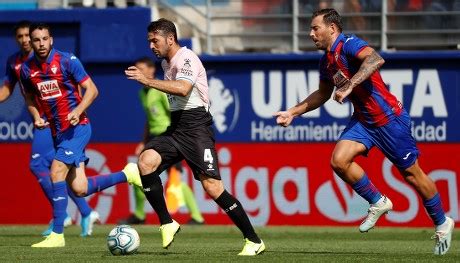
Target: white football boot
443, 236
374, 213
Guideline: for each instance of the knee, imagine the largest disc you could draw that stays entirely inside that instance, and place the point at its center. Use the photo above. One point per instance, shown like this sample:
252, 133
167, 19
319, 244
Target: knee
79, 191
148, 162
338, 164
410, 179
414, 175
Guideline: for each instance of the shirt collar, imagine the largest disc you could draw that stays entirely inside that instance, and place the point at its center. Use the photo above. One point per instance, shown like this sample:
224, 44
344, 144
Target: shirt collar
337, 41
49, 59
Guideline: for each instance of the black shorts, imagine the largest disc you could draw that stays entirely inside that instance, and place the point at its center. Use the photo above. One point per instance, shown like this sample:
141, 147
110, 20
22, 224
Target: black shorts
189, 137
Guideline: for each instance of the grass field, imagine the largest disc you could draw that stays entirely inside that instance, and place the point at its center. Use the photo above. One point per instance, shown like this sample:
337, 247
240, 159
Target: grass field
222, 244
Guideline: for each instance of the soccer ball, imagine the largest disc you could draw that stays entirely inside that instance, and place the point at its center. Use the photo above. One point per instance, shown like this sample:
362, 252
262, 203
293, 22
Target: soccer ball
123, 240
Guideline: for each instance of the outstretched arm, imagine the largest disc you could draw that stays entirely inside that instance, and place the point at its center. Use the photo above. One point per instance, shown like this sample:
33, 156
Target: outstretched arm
174, 87
371, 62
316, 99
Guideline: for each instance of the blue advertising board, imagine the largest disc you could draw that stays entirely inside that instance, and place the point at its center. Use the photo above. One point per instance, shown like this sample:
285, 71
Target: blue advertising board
245, 90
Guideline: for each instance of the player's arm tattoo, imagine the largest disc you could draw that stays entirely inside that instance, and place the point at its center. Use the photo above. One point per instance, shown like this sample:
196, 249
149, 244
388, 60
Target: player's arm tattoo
370, 64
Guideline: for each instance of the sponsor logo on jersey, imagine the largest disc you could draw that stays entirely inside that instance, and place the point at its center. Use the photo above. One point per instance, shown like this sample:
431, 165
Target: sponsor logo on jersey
54, 69
49, 89
186, 69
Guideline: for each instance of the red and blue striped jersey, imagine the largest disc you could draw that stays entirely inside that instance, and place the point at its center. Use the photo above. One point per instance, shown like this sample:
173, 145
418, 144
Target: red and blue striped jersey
55, 84
373, 103
13, 68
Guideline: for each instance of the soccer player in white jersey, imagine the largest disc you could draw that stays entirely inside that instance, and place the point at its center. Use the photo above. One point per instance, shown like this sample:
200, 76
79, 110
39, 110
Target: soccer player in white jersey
189, 137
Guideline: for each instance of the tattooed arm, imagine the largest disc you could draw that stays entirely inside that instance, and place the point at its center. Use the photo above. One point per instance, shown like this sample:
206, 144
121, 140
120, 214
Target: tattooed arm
371, 62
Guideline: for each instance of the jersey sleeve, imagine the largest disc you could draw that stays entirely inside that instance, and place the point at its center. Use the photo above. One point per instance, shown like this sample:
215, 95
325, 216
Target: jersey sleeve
188, 67
10, 75
323, 72
26, 84
353, 45
76, 69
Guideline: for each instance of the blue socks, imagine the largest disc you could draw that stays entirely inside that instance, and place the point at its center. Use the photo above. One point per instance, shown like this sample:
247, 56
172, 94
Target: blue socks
434, 208
60, 201
367, 190
100, 182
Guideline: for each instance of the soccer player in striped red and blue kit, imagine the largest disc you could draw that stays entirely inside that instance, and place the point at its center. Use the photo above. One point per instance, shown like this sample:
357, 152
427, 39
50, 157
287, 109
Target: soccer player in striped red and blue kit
42, 143
379, 119
51, 79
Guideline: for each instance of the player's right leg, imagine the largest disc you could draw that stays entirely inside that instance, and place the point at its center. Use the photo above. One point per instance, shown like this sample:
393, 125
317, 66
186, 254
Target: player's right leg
39, 166
158, 155
42, 156
149, 162
59, 171
354, 141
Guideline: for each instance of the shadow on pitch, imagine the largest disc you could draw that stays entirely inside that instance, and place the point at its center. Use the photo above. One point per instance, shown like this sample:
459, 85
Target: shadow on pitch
320, 252
157, 253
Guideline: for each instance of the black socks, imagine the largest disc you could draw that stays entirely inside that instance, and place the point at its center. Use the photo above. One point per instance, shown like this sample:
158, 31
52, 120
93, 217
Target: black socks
235, 211
153, 190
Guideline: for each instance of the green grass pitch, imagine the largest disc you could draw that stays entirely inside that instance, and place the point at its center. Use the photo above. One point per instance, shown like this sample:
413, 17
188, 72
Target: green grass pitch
222, 244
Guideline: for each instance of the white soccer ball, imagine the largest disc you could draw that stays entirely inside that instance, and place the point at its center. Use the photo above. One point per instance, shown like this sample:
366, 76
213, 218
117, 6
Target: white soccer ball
123, 240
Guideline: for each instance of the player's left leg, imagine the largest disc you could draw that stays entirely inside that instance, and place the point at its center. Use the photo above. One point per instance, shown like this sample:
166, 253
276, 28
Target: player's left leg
425, 187
84, 186
215, 189
396, 142
72, 151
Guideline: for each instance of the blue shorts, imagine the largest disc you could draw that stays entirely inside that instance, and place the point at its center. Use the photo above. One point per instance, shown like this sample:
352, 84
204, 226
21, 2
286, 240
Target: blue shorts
42, 151
70, 145
394, 139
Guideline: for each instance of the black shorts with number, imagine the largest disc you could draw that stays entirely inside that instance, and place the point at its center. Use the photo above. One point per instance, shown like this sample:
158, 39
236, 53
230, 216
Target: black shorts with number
189, 137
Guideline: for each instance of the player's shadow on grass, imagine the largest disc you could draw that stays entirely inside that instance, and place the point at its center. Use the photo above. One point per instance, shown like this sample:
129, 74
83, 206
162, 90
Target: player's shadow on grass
321, 252
156, 253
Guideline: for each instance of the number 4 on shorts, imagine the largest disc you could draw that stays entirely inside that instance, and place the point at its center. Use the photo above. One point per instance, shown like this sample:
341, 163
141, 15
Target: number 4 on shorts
208, 156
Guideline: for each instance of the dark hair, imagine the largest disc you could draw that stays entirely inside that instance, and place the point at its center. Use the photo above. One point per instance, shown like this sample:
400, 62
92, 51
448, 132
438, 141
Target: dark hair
21, 24
146, 60
39, 26
167, 27
330, 16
